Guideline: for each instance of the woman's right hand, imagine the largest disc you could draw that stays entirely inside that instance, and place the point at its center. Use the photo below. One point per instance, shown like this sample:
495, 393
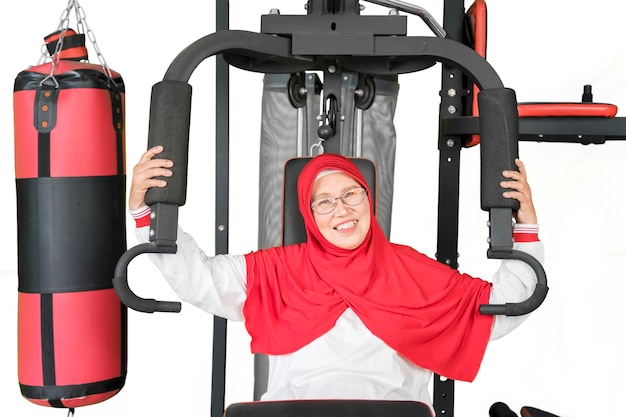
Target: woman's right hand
143, 176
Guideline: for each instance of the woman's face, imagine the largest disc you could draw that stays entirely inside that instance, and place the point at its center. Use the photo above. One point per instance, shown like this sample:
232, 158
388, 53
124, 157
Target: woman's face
345, 226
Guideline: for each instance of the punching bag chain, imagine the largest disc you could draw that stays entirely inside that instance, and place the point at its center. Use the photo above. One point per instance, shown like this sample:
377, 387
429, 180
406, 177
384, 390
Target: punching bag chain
83, 28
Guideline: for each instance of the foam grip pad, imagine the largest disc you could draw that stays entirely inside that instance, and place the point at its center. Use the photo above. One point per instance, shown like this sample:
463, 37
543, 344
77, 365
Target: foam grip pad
170, 115
499, 130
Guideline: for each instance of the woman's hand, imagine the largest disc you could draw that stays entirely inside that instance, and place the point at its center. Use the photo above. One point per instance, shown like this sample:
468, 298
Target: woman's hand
143, 176
520, 190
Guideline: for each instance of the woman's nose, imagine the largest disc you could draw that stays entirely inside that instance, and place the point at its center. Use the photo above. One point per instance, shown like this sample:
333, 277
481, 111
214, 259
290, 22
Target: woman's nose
340, 207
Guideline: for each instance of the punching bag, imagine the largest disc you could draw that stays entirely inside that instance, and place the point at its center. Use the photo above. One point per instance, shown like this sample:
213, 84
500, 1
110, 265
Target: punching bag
70, 184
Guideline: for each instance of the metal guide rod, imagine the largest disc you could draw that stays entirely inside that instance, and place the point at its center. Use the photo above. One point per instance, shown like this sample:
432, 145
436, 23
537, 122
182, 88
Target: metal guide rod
416, 10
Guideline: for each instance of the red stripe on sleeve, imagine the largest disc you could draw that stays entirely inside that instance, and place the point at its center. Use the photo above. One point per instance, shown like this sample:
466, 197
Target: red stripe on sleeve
141, 216
526, 233
143, 221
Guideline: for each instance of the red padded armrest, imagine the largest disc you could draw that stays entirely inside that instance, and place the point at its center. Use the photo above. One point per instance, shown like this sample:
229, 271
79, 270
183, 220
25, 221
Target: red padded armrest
566, 109
477, 20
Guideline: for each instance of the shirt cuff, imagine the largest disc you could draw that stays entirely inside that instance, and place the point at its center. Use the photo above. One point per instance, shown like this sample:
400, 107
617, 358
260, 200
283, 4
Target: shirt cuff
141, 216
526, 233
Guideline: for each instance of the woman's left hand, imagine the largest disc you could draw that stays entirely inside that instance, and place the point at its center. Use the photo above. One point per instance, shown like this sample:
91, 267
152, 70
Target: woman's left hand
520, 190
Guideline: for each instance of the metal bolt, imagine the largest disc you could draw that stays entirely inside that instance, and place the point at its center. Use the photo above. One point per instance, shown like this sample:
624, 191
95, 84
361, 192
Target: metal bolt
221, 227
450, 143
332, 69
451, 92
274, 11
451, 109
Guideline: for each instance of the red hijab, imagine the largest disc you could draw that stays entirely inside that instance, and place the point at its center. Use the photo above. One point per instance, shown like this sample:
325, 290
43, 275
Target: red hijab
426, 311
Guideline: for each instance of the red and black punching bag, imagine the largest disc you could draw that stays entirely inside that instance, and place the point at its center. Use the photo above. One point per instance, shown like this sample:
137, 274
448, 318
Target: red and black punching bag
70, 183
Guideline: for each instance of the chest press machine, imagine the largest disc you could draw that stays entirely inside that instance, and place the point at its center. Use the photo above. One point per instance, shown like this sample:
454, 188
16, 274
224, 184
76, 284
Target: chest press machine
359, 58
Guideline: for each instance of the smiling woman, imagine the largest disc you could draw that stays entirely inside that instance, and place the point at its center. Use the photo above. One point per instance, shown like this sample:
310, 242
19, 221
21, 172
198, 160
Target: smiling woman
346, 298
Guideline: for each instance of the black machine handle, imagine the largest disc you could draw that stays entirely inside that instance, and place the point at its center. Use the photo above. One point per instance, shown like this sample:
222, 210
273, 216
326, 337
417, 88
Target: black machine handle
536, 298
499, 129
170, 112
126, 295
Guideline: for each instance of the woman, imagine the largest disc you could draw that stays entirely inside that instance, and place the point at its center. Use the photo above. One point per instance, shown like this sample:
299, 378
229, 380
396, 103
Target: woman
348, 314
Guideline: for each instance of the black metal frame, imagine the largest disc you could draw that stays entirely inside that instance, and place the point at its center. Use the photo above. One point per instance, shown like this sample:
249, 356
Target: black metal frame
456, 124
222, 227
333, 37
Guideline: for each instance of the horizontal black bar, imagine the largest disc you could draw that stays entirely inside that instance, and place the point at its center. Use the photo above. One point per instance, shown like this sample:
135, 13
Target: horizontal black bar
350, 24
572, 129
580, 129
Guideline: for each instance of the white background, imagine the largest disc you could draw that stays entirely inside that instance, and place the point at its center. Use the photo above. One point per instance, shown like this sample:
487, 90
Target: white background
568, 358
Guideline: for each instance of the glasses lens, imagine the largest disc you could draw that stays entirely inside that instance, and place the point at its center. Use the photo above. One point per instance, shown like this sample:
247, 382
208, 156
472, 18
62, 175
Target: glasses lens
354, 196
324, 205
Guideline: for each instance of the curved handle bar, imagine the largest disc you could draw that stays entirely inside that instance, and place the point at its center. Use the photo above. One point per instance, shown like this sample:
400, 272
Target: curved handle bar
536, 298
278, 49
127, 296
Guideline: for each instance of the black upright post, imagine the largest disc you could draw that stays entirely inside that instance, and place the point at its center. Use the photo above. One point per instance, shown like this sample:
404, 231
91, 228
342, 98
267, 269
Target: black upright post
453, 93
218, 386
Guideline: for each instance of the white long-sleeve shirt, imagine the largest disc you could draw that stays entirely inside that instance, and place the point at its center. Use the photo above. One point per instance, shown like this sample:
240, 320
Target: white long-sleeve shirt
347, 362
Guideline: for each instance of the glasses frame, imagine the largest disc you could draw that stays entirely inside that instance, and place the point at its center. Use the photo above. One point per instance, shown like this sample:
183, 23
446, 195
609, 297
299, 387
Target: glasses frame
341, 197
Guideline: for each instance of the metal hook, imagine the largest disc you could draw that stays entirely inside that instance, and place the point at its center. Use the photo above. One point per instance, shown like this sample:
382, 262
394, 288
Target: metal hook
319, 146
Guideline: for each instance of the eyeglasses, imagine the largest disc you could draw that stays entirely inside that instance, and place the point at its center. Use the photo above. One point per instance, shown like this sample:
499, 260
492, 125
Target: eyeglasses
326, 204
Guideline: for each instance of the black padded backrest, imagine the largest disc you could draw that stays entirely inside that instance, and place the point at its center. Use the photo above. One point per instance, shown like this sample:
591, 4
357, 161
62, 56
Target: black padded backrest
293, 224
294, 232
